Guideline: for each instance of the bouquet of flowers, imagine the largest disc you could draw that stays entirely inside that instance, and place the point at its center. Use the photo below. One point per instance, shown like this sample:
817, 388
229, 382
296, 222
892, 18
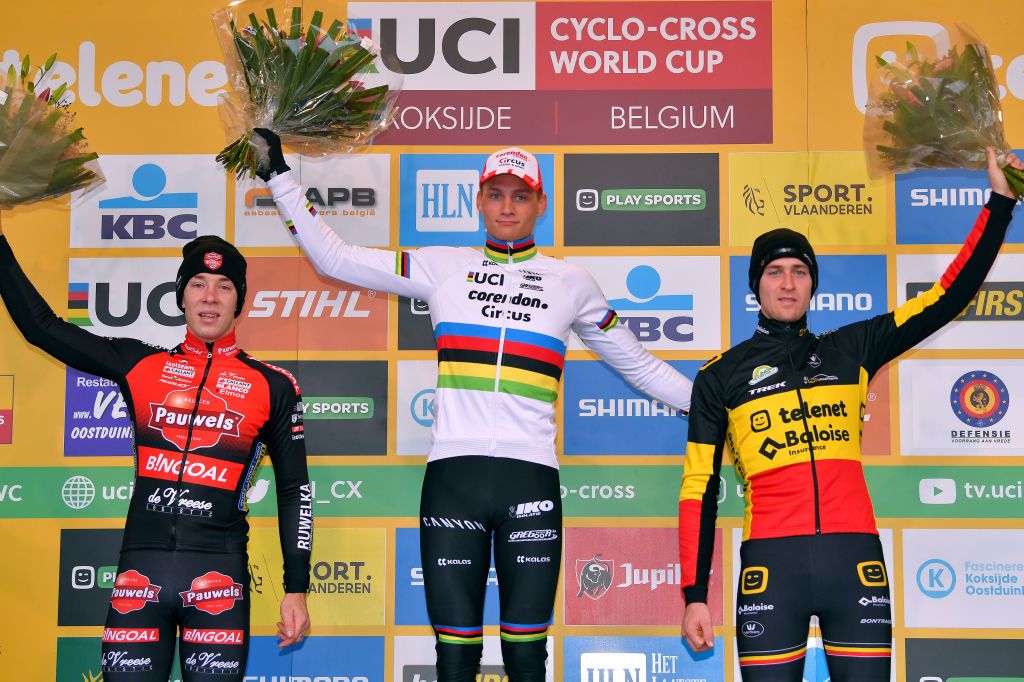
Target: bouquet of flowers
322, 90
936, 112
41, 154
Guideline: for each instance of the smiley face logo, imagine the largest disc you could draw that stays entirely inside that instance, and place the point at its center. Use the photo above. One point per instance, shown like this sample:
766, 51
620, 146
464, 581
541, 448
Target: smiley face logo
759, 421
754, 580
872, 574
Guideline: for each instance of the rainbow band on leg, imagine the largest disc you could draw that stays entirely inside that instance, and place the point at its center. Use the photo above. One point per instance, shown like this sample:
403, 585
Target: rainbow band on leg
449, 634
520, 632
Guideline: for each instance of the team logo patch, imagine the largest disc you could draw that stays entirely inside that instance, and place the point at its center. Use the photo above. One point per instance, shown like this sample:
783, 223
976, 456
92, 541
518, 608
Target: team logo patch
213, 260
594, 576
979, 399
177, 415
213, 593
762, 372
132, 591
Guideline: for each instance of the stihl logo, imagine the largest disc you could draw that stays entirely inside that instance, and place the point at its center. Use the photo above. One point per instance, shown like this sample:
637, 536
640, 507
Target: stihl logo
199, 470
177, 415
131, 635
197, 636
307, 304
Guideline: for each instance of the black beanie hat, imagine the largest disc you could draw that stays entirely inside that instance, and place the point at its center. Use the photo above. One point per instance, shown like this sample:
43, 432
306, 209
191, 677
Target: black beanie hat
780, 243
214, 255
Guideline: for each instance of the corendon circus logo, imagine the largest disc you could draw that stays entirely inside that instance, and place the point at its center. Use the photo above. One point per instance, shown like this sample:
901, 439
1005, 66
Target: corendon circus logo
178, 414
132, 591
213, 593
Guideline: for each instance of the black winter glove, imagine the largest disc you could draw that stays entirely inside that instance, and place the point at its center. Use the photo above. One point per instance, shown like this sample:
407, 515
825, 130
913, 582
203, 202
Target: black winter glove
272, 143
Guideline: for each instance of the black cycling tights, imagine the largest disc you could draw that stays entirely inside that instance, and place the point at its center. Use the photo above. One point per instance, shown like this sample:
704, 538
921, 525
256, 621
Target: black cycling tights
466, 500
840, 578
157, 592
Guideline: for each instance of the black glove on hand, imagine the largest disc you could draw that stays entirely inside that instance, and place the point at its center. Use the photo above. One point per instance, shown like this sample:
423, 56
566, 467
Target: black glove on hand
270, 149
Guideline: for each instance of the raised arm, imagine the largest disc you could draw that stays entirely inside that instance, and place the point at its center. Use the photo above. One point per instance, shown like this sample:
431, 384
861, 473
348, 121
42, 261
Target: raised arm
598, 326
72, 345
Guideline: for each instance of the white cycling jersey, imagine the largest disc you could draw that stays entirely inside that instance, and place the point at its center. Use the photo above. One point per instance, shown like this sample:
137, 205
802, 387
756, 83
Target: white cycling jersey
501, 322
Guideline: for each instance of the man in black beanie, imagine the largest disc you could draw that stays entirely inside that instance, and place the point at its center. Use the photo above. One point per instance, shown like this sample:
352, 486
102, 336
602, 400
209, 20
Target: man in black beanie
789, 404
203, 415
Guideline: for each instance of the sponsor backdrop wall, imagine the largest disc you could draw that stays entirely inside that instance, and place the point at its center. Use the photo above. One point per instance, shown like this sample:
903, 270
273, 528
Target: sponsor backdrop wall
670, 134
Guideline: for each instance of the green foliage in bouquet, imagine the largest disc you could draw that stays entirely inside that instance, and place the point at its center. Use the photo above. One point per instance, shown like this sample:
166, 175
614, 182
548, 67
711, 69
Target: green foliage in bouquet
41, 156
938, 113
301, 83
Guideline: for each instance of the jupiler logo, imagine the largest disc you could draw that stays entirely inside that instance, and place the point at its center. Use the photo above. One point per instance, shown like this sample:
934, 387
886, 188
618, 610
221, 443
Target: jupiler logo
594, 576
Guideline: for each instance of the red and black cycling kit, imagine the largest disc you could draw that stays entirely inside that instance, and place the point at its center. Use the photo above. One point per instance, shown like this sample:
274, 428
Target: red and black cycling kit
790, 406
203, 415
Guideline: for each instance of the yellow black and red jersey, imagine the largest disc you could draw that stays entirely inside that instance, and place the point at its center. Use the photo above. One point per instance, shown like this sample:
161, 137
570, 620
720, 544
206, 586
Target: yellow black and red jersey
790, 405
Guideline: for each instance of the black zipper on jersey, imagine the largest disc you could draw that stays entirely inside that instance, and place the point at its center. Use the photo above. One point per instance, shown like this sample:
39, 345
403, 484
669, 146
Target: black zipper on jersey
188, 442
810, 445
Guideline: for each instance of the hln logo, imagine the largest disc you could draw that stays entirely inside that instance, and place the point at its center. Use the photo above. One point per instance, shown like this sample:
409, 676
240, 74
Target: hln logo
613, 667
446, 201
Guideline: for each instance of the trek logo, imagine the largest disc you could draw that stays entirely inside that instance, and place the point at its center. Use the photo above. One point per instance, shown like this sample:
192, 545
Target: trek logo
937, 491
525, 510
446, 200
438, 46
178, 416
212, 593
132, 591
641, 200
767, 389
131, 635
198, 470
594, 576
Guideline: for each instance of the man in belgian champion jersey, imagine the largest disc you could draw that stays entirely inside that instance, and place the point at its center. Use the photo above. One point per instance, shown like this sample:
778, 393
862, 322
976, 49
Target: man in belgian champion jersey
203, 415
502, 319
789, 403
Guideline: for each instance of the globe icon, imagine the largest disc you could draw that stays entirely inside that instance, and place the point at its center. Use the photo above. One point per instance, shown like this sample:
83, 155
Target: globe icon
78, 492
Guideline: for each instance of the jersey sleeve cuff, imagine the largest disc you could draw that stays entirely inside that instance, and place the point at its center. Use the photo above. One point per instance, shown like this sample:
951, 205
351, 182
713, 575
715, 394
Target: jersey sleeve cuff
695, 595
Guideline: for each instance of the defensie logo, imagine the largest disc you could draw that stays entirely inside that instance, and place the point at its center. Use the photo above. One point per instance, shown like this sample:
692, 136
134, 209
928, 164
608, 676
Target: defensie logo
936, 578
979, 399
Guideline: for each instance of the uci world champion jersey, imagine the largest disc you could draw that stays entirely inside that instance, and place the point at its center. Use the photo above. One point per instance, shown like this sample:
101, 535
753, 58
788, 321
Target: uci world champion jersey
501, 322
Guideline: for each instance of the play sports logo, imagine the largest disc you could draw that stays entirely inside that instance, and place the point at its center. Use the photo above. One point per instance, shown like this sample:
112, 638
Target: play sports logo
937, 491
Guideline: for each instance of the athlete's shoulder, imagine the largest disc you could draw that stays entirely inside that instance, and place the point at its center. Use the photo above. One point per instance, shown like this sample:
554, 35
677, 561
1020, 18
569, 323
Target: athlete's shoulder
279, 378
